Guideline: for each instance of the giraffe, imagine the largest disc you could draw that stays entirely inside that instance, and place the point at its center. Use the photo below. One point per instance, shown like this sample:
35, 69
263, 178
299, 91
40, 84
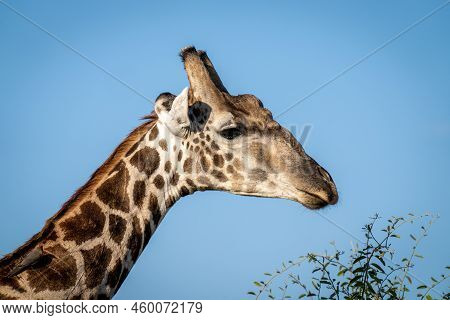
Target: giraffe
202, 139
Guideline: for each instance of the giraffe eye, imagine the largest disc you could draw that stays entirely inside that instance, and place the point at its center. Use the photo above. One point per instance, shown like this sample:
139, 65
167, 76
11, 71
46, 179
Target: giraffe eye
230, 133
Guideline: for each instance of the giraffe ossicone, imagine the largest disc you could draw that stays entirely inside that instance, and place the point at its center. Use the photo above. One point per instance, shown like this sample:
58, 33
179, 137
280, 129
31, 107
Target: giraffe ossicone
202, 139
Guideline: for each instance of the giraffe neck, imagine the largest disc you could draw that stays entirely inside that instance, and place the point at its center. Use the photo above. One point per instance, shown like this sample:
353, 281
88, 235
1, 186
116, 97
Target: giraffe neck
90, 246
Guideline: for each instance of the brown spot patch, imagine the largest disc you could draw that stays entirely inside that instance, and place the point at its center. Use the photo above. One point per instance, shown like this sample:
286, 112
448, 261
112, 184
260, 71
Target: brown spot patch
96, 263
163, 144
258, 175
159, 181
139, 193
135, 240
218, 160
187, 166
196, 140
219, 175
113, 191
203, 180
205, 163
56, 271
215, 146
169, 201
85, 225
180, 155
174, 179
114, 276
117, 227
208, 138
6, 297
153, 206
184, 191
153, 133
11, 282
147, 232
228, 156
167, 166
237, 164
146, 160
190, 182
230, 169
52, 236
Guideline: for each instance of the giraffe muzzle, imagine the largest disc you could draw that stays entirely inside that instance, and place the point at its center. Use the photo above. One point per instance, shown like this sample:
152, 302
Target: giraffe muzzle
320, 191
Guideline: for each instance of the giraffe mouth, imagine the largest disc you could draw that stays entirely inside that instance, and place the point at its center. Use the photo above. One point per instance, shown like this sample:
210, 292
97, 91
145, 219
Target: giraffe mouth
314, 201
309, 200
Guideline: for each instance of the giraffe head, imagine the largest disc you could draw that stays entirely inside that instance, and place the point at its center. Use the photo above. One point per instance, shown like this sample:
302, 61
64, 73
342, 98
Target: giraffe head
232, 143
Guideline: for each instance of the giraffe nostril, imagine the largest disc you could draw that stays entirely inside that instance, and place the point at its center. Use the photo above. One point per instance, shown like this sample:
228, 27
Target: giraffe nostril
333, 197
325, 174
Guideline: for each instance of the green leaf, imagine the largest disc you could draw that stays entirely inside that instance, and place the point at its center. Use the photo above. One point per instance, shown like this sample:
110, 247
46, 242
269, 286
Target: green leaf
267, 274
412, 237
428, 297
302, 296
341, 272
358, 270
422, 287
378, 267
356, 278
256, 283
418, 255
433, 279
358, 259
409, 279
381, 260
252, 293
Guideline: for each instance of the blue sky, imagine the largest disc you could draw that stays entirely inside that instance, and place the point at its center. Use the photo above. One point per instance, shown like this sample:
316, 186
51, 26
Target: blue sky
382, 130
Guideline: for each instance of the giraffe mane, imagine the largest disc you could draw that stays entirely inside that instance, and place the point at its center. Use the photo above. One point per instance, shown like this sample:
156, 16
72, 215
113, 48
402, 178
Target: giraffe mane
134, 136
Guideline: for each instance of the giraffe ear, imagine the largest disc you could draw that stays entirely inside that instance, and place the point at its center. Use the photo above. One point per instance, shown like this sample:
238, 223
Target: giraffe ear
173, 111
